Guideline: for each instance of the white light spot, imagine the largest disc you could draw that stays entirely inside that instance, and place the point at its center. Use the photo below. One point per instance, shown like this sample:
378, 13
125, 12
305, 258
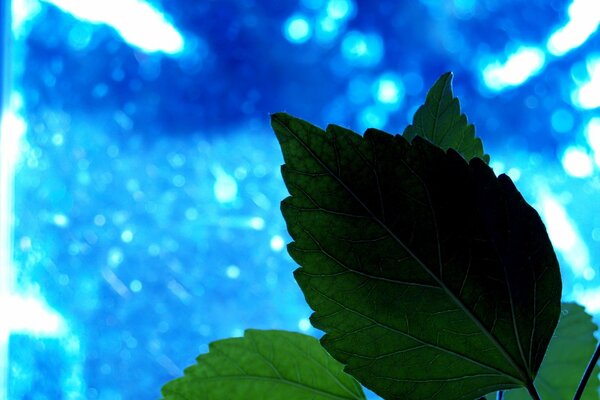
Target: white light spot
589, 274
304, 324
362, 49
136, 21
519, 66
577, 162
256, 223
115, 257
135, 286
498, 167
60, 220
563, 232
127, 236
587, 94
13, 127
297, 29
58, 139
514, 174
389, 89
232, 272
225, 188
277, 243
592, 133
30, 316
584, 17
23, 11
237, 332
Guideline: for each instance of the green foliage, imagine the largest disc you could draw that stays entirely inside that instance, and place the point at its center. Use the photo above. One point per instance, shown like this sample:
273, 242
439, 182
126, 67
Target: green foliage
431, 277
423, 270
440, 121
569, 351
265, 365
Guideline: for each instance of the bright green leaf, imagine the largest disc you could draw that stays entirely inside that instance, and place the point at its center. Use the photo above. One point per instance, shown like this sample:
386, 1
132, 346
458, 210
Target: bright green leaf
440, 121
431, 277
569, 352
265, 365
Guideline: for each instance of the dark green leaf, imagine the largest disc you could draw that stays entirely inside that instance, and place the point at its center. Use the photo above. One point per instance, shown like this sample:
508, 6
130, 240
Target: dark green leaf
440, 121
431, 277
265, 365
569, 352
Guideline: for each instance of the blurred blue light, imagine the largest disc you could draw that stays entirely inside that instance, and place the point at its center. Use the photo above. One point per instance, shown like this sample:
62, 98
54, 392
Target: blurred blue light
359, 90
326, 29
136, 21
413, 83
313, 4
340, 9
372, 117
465, 7
562, 120
80, 36
584, 17
518, 68
362, 49
297, 29
136, 160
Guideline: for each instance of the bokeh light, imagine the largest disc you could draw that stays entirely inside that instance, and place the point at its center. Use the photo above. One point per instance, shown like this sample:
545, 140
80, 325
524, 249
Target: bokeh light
140, 182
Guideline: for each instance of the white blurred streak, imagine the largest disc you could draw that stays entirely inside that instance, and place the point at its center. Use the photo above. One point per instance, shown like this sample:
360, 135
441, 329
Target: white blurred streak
587, 94
136, 21
563, 232
584, 17
577, 162
592, 134
518, 68
30, 315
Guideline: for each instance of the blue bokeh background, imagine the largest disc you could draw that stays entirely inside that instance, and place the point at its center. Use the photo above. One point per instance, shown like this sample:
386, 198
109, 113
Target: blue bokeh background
147, 185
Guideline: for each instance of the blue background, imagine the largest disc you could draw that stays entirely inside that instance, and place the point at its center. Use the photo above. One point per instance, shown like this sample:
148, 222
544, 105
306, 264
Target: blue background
147, 189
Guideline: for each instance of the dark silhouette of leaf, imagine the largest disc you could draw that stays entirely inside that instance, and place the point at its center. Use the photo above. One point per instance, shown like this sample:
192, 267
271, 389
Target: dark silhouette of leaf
568, 354
431, 277
265, 365
440, 121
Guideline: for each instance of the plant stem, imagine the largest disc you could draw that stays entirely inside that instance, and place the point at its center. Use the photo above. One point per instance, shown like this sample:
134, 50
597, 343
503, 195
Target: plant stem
587, 374
533, 392
500, 395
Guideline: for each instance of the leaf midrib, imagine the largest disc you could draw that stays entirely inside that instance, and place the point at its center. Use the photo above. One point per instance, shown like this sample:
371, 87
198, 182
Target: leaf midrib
524, 375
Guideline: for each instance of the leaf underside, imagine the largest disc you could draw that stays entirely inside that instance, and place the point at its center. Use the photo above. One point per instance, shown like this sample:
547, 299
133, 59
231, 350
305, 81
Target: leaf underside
265, 365
431, 278
441, 122
568, 354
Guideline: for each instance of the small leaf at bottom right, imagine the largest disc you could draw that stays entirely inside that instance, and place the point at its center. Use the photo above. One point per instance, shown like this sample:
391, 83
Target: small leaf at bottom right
567, 357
